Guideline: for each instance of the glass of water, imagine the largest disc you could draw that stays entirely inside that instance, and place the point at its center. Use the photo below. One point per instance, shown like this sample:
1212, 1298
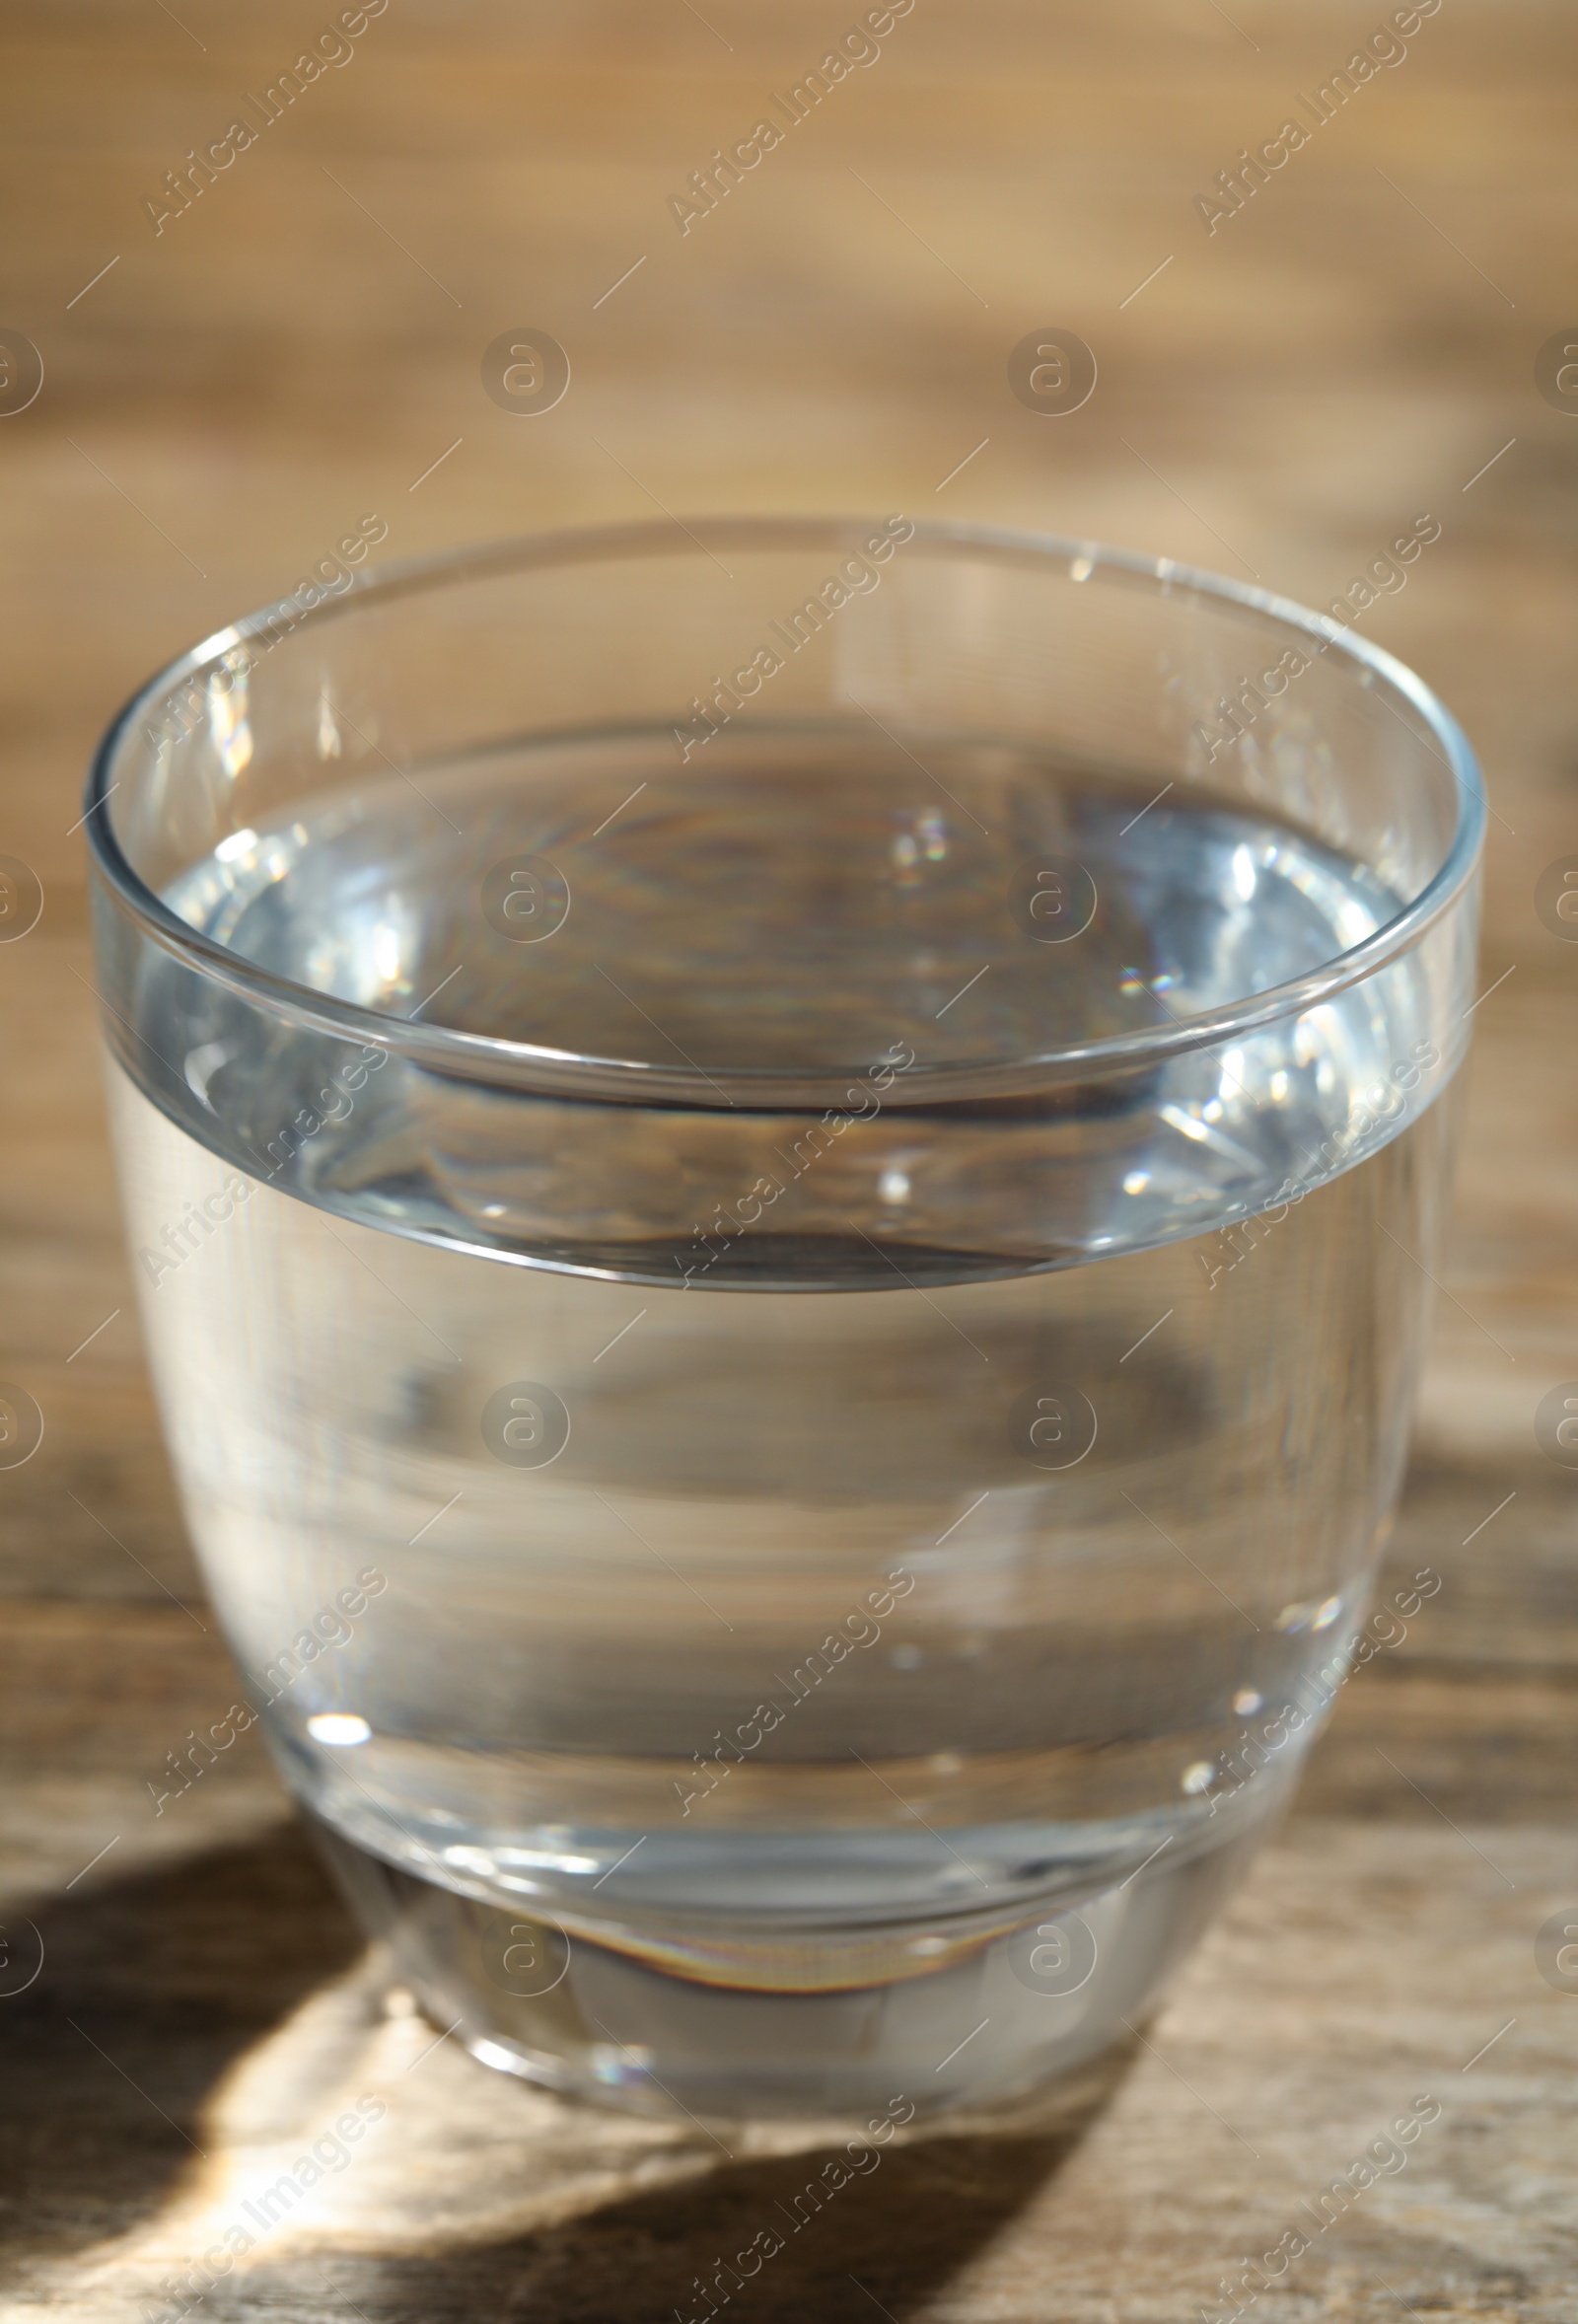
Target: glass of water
784, 1178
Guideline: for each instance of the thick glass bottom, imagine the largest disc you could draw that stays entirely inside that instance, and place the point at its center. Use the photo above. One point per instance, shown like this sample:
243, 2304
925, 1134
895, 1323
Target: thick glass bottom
991, 2018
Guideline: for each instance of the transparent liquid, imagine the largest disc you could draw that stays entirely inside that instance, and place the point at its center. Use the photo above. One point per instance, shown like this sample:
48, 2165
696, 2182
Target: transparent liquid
747, 1749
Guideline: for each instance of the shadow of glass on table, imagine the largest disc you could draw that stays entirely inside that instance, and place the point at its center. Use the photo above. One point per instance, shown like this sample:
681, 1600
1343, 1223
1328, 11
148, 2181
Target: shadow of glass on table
218, 2105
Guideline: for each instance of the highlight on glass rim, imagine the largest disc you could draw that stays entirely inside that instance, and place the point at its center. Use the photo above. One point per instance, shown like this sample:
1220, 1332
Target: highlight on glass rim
789, 1415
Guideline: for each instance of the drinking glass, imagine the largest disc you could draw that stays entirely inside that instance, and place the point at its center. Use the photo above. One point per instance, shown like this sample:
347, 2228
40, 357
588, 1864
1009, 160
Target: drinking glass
784, 1177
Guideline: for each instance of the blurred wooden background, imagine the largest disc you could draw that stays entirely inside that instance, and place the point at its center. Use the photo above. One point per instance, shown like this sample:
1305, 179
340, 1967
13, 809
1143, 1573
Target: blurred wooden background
222, 399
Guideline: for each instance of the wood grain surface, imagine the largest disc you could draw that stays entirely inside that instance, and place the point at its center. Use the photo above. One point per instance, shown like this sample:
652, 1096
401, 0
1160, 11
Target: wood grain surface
227, 389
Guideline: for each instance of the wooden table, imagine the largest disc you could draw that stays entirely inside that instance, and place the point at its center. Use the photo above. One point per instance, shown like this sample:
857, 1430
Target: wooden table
222, 398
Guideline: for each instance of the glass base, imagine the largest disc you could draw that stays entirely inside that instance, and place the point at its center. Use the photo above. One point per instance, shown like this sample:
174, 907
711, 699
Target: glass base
887, 2023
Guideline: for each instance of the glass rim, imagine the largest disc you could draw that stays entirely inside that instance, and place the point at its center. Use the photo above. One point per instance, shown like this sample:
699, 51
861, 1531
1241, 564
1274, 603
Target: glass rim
490, 1058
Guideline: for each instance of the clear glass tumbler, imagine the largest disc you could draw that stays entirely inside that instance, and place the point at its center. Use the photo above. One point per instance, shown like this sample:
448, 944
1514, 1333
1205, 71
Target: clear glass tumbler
783, 1175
